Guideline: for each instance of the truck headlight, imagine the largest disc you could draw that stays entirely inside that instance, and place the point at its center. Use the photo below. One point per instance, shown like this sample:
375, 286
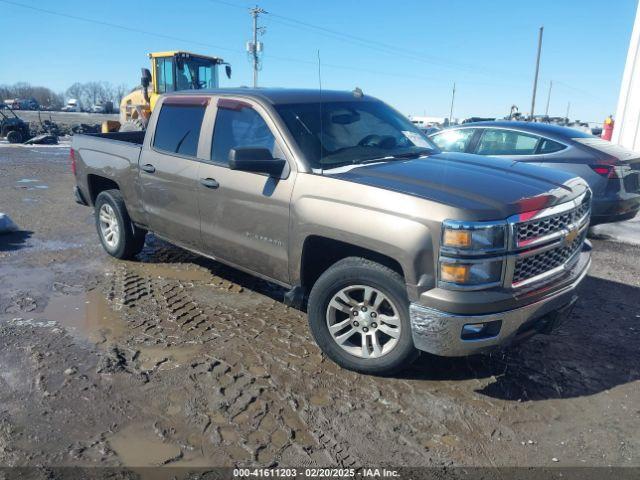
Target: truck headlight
462, 273
473, 237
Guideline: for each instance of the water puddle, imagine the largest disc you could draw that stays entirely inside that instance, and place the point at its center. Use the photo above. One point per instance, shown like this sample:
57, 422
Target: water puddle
32, 187
87, 315
137, 447
164, 357
52, 245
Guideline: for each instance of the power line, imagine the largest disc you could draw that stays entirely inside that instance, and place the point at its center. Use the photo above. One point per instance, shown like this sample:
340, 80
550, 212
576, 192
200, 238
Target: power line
205, 44
116, 25
378, 46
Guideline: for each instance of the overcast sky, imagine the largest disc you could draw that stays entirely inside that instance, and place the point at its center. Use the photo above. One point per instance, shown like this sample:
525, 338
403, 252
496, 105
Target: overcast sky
407, 53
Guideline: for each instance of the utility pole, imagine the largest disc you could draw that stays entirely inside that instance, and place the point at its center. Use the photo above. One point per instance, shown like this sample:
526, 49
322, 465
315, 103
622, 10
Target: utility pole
254, 47
546, 111
568, 107
453, 96
535, 79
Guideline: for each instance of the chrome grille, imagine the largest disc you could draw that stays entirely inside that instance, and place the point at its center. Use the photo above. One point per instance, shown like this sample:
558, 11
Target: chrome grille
534, 265
539, 228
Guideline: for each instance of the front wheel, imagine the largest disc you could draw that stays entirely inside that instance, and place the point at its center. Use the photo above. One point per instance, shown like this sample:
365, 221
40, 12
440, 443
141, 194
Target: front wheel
359, 316
118, 235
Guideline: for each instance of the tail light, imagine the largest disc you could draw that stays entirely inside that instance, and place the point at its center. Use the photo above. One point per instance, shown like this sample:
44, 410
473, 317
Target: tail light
608, 171
72, 156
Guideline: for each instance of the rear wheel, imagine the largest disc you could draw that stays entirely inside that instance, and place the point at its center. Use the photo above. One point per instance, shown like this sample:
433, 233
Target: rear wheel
118, 235
359, 316
14, 136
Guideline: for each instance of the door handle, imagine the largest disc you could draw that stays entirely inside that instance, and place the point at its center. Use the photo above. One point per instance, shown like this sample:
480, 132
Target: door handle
209, 182
148, 168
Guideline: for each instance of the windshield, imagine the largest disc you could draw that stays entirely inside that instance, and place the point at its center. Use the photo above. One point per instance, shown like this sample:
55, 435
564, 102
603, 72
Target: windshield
195, 74
352, 132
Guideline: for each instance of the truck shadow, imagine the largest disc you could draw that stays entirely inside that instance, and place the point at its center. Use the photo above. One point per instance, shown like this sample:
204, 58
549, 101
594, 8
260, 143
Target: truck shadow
159, 251
14, 241
596, 349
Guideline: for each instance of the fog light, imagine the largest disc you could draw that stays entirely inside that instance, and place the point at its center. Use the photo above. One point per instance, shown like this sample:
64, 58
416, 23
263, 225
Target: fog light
481, 331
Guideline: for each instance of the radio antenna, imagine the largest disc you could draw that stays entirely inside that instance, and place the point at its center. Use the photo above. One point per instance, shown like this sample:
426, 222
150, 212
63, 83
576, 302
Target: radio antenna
321, 132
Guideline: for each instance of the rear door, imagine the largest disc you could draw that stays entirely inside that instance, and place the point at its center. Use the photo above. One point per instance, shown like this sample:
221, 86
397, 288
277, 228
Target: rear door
244, 215
169, 170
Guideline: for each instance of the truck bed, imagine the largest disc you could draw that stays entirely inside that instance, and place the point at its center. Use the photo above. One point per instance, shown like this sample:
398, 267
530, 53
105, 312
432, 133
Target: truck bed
129, 137
112, 157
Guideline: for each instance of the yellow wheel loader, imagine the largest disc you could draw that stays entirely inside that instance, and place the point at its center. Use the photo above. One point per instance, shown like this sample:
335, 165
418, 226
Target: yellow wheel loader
170, 72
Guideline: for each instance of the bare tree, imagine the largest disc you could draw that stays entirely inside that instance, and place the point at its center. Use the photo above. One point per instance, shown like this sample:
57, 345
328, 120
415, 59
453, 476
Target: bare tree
22, 90
108, 91
75, 91
120, 91
94, 91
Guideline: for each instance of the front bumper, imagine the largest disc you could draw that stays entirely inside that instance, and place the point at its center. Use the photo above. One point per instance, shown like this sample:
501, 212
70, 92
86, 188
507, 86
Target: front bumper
450, 334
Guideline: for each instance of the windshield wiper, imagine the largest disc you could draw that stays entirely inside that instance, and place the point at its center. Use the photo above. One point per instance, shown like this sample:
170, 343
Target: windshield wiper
410, 155
397, 156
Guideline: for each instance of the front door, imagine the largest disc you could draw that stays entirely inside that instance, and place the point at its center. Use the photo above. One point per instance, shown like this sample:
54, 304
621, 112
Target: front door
169, 172
244, 215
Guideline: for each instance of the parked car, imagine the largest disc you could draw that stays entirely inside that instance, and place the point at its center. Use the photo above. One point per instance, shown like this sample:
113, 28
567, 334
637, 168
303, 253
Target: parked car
612, 172
393, 247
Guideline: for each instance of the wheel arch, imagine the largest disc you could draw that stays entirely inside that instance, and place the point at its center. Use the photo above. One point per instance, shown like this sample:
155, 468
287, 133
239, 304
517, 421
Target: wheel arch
321, 252
97, 184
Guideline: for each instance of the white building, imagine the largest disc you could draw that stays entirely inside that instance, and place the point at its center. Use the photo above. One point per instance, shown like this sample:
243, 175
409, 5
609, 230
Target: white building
626, 131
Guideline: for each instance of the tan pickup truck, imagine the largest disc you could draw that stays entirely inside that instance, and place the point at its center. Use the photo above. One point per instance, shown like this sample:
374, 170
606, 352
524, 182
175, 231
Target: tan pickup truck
392, 246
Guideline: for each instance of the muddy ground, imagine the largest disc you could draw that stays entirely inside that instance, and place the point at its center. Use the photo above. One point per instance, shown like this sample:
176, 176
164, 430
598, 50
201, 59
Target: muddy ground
176, 360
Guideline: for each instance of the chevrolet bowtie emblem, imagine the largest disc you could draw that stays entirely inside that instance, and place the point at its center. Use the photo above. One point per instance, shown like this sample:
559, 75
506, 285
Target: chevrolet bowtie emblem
571, 235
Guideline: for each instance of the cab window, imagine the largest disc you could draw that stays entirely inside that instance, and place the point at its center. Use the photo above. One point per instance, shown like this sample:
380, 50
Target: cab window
164, 72
239, 127
506, 142
178, 129
453, 140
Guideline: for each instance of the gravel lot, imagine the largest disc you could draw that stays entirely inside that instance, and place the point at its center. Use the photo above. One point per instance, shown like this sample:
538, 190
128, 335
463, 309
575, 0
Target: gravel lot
177, 360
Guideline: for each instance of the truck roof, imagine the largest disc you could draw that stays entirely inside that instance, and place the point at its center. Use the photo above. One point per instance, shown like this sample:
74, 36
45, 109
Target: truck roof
281, 96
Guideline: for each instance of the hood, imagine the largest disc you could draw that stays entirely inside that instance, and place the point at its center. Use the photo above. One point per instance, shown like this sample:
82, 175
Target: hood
491, 188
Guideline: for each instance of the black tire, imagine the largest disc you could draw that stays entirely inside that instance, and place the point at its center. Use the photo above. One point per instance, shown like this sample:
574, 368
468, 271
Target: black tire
133, 125
14, 136
130, 239
360, 271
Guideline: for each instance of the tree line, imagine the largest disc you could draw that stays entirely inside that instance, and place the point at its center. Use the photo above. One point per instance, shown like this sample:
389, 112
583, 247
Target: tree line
89, 93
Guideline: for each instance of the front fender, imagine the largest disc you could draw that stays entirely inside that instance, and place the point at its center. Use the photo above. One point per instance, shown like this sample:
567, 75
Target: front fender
385, 222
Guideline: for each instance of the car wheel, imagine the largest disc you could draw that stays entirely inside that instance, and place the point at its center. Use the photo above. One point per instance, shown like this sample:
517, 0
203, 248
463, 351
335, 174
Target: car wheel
14, 136
118, 235
359, 315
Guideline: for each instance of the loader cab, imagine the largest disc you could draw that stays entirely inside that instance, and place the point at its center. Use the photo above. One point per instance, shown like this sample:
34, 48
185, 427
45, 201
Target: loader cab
170, 72
174, 71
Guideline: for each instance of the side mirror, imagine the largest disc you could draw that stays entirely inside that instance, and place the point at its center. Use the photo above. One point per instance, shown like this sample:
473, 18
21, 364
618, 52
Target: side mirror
145, 80
227, 70
255, 159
